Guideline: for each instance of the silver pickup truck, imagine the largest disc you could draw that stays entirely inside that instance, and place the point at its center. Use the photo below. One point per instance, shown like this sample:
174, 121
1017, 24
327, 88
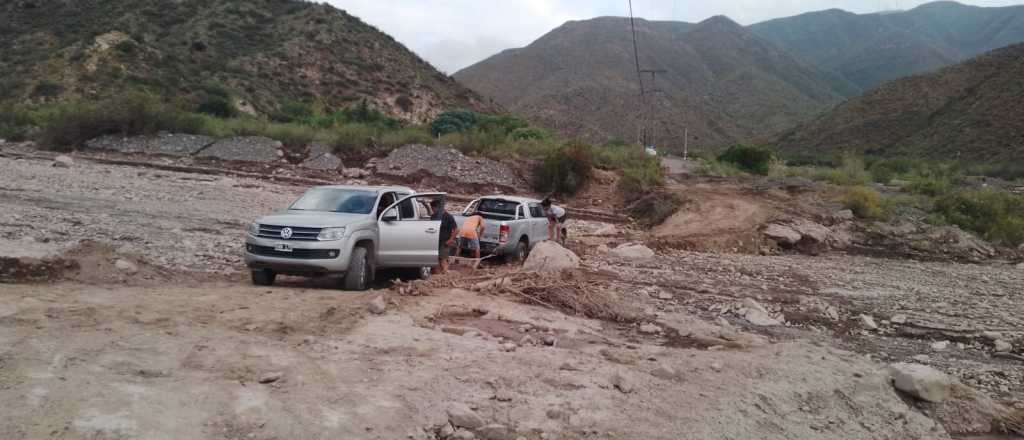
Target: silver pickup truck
346, 230
512, 225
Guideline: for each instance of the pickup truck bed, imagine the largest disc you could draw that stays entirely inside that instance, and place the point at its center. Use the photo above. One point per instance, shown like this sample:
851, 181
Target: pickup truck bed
512, 225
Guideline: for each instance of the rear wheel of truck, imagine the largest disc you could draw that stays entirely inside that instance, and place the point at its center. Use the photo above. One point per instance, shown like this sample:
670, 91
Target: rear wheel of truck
358, 275
518, 255
263, 277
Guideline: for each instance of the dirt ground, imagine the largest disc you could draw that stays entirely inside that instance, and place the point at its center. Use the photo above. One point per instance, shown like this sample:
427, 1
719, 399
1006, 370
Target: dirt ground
186, 348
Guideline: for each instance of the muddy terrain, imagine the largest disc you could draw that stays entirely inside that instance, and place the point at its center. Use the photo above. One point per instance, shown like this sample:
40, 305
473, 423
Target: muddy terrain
126, 312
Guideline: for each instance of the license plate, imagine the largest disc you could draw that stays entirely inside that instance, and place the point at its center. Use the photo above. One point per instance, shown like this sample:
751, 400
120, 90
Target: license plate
283, 248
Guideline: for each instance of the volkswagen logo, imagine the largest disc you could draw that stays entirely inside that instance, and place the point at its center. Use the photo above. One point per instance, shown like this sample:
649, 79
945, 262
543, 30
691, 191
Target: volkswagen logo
286, 233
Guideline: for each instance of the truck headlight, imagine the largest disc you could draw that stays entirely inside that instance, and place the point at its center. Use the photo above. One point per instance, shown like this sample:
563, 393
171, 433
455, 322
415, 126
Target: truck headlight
331, 234
254, 229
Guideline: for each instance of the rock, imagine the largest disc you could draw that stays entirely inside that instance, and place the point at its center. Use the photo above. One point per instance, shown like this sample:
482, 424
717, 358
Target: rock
503, 396
756, 314
554, 413
378, 306
603, 249
940, 346
781, 234
898, 319
633, 252
493, 431
326, 162
844, 215
550, 340
271, 377
412, 160
607, 230
1002, 346
550, 258
63, 161
921, 381
663, 295
716, 367
446, 431
665, 372
508, 346
355, 173
992, 336
126, 266
832, 313
250, 149
463, 434
867, 322
650, 329
621, 383
173, 144
922, 358
461, 416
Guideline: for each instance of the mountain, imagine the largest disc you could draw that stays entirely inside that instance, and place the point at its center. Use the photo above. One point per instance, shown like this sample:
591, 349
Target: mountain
721, 81
972, 111
870, 49
264, 53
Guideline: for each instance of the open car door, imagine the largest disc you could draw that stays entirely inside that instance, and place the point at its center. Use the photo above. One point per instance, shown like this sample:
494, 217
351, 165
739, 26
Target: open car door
409, 231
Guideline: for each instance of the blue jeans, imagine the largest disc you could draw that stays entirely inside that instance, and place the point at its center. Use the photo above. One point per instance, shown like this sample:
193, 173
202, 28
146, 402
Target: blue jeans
472, 244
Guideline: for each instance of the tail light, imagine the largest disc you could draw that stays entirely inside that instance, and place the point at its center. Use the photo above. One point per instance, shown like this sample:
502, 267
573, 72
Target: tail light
503, 234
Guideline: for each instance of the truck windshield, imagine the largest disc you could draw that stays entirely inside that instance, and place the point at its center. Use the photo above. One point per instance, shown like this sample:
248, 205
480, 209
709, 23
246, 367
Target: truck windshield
347, 201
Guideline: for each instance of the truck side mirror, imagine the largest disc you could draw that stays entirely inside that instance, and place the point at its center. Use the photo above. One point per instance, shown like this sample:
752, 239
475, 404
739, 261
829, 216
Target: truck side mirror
390, 215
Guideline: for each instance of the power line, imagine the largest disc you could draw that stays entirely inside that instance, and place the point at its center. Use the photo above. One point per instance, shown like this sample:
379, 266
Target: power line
636, 50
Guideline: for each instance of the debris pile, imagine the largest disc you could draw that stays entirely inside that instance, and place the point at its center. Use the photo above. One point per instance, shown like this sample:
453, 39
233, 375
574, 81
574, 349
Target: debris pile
414, 162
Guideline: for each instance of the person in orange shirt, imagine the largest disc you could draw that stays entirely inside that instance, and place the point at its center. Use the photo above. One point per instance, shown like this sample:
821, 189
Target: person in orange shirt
469, 234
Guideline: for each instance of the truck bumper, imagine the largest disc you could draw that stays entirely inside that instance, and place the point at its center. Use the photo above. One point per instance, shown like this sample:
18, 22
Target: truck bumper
307, 258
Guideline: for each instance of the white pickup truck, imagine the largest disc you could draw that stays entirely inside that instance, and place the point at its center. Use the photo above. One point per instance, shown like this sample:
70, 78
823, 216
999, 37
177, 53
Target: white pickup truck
512, 225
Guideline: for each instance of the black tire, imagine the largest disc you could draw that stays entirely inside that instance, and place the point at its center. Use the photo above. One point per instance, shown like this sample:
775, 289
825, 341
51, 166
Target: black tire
519, 254
358, 275
263, 277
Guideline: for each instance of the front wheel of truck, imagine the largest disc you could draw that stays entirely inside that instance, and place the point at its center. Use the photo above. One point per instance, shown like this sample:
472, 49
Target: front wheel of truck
263, 277
358, 276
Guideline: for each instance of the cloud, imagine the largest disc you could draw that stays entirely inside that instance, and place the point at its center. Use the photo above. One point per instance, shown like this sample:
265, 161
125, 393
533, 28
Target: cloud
452, 34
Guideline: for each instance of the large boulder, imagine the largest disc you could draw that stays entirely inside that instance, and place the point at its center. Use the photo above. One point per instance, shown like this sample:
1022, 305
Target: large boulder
633, 251
921, 381
251, 149
174, 144
781, 234
550, 257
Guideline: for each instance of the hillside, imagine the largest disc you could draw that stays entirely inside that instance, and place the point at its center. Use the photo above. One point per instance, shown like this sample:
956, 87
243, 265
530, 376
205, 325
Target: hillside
870, 49
722, 82
263, 53
970, 111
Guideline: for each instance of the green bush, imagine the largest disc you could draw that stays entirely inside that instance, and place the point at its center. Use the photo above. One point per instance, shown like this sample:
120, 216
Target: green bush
218, 106
529, 133
640, 178
406, 136
365, 114
929, 185
453, 121
996, 215
885, 170
851, 172
864, 202
654, 208
292, 135
564, 171
15, 123
349, 138
293, 111
68, 125
751, 159
720, 169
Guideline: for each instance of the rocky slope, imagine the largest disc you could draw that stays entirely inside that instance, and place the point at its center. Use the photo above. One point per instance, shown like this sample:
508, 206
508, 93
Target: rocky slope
722, 82
970, 111
870, 49
263, 53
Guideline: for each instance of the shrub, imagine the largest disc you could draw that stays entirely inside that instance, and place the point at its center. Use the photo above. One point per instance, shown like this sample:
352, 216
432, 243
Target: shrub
929, 185
364, 114
349, 138
719, 169
529, 133
751, 159
70, 124
292, 135
640, 178
864, 202
453, 121
851, 171
47, 89
885, 170
293, 111
218, 106
405, 103
409, 135
564, 171
15, 123
653, 209
996, 215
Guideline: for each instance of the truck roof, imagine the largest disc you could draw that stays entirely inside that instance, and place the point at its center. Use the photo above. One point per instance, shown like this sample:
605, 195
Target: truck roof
370, 188
512, 198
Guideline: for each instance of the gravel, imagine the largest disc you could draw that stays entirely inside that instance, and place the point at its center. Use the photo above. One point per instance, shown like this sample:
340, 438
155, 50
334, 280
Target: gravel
174, 144
252, 149
413, 160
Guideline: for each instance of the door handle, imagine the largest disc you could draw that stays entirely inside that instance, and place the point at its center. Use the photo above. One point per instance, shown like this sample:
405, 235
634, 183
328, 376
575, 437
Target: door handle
431, 231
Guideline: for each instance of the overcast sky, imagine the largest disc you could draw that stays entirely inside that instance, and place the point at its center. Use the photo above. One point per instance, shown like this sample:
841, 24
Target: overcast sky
452, 34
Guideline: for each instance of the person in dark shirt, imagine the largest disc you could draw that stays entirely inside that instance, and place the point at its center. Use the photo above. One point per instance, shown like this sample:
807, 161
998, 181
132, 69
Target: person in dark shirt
446, 238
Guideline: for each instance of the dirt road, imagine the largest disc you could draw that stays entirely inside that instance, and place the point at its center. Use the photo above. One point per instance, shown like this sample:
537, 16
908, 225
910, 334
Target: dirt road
189, 350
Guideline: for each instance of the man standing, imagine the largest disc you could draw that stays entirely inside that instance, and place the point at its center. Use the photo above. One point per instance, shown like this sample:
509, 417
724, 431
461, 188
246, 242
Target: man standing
555, 216
469, 234
446, 237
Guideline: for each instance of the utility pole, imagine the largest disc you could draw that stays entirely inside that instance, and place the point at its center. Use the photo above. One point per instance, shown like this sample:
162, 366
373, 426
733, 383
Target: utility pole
686, 142
648, 137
